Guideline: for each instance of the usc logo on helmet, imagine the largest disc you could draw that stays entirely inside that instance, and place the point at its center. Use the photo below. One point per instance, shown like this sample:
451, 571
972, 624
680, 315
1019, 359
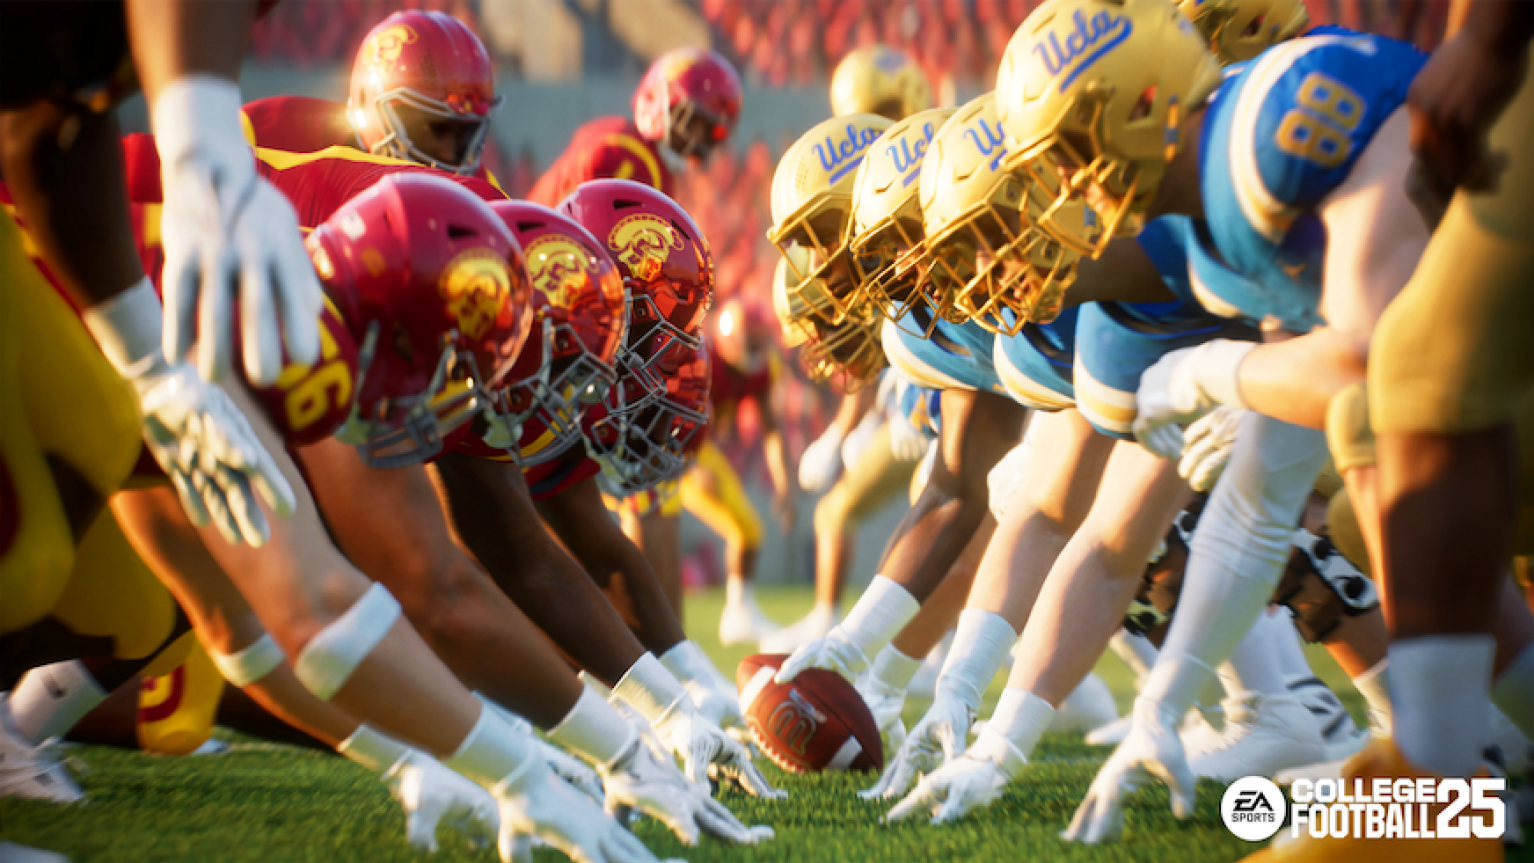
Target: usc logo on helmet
642, 242
388, 43
558, 268
475, 286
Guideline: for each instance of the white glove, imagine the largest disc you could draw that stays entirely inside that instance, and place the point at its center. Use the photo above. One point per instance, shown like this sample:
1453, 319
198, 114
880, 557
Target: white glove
940, 737
643, 781
1152, 750
881, 612
1208, 445
1183, 386
907, 442
886, 703
958, 787
703, 747
535, 802
573, 771
192, 428
433, 795
859, 438
821, 463
226, 230
713, 695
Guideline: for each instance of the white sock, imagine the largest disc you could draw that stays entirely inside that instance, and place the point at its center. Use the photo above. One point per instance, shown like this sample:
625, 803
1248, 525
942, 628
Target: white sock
1514, 691
1374, 686
737, 590
50, 699
1136, 652
1254, 665
1441, 688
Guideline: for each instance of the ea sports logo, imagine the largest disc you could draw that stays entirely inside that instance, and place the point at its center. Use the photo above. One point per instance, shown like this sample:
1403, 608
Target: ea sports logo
1252, 808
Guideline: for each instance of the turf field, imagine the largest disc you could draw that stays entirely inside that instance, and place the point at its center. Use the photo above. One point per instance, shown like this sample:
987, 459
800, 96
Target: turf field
272, 804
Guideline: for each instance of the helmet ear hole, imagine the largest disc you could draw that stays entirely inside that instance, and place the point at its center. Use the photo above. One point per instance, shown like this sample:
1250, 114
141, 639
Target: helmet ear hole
458, 232
1144, 105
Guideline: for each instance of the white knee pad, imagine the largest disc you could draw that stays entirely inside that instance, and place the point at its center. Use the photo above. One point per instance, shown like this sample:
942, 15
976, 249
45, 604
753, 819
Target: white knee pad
329, 659
244, 667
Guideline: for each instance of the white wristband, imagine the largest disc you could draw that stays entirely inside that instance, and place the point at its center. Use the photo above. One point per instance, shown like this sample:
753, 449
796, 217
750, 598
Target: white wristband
893, 670
244, 667
494, 754
193, 112
593, 730
687, 662
1021, 718
979, 648
651, 690
1219, 370
881, 612
372, 749
127, 328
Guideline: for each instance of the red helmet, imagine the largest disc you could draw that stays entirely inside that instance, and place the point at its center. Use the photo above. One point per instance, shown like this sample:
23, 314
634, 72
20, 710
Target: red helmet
689, 100
434, 288
665, 264
639, 448
580, 319
433, 63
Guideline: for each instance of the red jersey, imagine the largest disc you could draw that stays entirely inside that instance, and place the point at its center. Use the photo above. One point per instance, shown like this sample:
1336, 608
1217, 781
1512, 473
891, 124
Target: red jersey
302, 124
604, 149
549, 478
729, 386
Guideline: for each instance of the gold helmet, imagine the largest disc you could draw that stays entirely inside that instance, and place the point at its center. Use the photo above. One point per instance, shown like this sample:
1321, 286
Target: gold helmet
849, 353
886, 217
879, 80
812, 204
1096, 91
987, 259
1239, 30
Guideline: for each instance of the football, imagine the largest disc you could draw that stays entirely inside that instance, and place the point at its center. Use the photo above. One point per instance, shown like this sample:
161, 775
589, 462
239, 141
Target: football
817, 722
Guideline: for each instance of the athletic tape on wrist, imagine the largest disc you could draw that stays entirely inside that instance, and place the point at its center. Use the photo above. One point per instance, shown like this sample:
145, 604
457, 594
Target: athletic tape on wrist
1021, 718
373, 749
881, 612
127, 329
494, 754
330, 657
593, 730
893, 669
652, 690
979, 647
244, 667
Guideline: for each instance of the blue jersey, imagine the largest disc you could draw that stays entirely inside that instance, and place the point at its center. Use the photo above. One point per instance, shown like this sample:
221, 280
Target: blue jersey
1279, 136
1036, 364
1117, 342
957, 356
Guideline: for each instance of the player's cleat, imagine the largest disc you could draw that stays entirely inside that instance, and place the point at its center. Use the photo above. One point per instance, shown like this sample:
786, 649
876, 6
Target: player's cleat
10, 852
1341, 736
1111, 734
803, 631
1380, 760
1263, 735
1202, 729
1089, 706
742, 621
33, 771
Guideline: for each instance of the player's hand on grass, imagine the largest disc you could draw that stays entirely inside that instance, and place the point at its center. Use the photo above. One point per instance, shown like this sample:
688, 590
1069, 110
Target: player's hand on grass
1207, 447
434, 796
954, 790
229, 236
1151, 751
639, 779
939, 737
705, 749
536, 802
573, 771
1182, 386
833, 652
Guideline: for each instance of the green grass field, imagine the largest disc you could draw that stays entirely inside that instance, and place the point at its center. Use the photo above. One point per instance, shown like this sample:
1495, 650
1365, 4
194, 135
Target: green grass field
273, 804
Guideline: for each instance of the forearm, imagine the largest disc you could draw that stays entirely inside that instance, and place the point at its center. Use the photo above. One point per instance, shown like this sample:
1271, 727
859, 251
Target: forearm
1294, 381
175, 38
1501, 28
776, 453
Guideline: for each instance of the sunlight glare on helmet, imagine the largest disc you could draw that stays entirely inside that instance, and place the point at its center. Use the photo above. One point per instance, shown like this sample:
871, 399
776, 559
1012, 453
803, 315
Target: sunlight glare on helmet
726, 323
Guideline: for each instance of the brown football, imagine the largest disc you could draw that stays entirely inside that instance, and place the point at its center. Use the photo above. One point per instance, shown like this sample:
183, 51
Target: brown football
817, 722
